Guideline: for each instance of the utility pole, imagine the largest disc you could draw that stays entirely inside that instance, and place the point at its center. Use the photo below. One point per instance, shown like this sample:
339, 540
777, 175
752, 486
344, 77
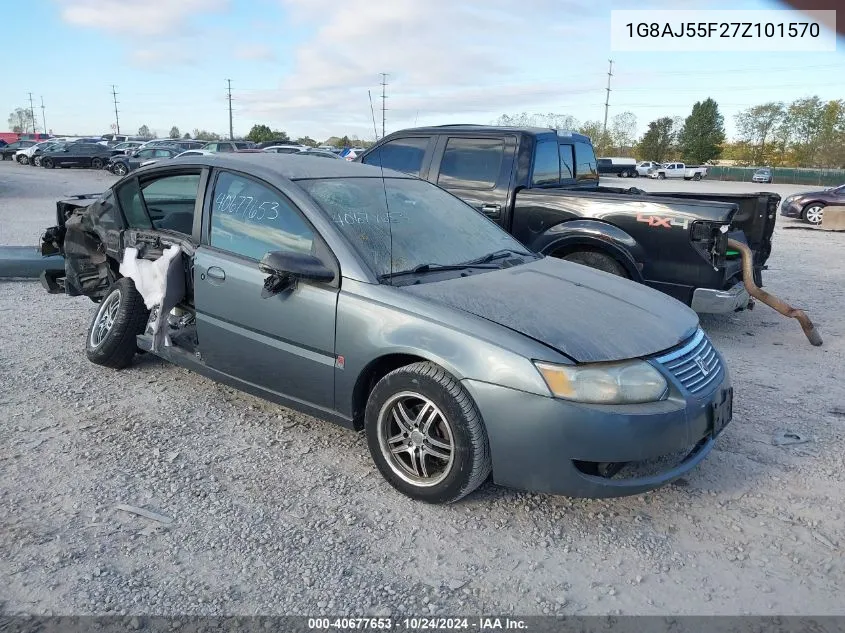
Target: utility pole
383, 102
116, 118
43, 118
32, 112
231, 129
607, 100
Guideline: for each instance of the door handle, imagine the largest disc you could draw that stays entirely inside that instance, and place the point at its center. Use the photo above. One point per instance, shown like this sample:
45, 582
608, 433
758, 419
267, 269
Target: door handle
491, 210
216, 273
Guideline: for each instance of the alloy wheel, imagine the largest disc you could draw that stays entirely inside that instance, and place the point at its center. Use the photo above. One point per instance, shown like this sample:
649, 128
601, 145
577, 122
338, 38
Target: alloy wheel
416, 439
814, 214
104, 321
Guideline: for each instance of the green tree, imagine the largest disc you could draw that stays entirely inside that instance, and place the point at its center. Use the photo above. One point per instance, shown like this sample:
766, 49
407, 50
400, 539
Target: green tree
345, 141
186, 135
306, 140
21, 121
703, 133
757, 126
174, 132
658, 141
623, 132
205, 135
600, 138
260, 133
280, 136
144, 131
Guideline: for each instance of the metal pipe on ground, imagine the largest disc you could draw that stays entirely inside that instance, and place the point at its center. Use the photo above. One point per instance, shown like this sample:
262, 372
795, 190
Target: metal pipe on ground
769, 299
26, 262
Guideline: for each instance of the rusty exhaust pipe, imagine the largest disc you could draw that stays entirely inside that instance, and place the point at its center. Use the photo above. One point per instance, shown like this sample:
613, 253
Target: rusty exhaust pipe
770, 300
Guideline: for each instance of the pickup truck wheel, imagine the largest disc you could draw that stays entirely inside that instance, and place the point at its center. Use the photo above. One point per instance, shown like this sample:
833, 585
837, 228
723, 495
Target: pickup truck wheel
813, 213
624, 173
119, 319
426, 435
696, 177
599, 261
661, 176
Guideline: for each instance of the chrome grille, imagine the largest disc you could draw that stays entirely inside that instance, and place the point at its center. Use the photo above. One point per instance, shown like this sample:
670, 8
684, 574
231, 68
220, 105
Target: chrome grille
696, 364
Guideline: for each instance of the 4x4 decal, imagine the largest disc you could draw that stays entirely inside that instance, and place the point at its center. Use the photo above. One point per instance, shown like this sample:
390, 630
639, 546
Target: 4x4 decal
663, 222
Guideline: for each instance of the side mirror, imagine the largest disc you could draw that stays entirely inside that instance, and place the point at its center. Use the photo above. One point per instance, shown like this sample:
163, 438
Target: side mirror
285, 269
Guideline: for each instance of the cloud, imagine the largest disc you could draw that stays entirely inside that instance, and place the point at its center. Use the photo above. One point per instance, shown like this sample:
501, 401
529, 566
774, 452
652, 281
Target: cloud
136, 17
442, 56
255, 52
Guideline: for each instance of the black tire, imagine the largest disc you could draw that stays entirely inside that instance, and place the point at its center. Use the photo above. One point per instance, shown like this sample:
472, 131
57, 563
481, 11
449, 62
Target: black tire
696, 177
36, 161
661, 176
597, 260
623, 173
117, 345
119, 169
813, 213
23, 160
96, 163
457, 421
47, 163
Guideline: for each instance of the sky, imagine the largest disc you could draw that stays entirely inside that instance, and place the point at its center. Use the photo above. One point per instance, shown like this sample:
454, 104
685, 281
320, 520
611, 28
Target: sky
306, 66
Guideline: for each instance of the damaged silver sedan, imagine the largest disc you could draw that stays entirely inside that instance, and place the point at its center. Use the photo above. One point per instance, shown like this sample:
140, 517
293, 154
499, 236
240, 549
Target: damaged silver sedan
380, 302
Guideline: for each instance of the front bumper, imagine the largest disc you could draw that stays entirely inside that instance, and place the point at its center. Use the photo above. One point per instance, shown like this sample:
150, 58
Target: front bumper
547, 445
790, 210
712, 301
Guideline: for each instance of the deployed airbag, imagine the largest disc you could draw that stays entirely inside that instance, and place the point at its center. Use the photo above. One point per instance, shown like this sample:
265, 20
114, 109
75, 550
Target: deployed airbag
161, 284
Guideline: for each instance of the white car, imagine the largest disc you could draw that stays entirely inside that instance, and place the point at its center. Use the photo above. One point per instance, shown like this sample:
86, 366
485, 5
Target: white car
194, 152
646, 167
285, 149
24, 155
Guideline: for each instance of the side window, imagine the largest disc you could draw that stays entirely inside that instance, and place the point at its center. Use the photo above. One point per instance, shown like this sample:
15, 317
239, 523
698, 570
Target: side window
170, 201
546, 164
471, 163
146, 153
585, 162
211, 147
162, 153
251, 219
402, 154
224, 147
567, 163
129, 197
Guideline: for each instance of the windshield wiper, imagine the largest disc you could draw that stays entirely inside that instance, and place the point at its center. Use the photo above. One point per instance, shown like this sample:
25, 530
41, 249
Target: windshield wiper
430, 268
497, 255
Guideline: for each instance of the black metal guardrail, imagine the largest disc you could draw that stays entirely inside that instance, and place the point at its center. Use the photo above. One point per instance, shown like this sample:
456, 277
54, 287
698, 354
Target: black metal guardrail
26, 262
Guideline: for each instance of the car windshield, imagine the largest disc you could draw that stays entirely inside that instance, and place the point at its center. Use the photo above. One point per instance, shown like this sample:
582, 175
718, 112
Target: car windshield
427, 226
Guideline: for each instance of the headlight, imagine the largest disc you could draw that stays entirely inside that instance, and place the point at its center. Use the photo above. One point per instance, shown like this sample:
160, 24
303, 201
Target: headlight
628, 382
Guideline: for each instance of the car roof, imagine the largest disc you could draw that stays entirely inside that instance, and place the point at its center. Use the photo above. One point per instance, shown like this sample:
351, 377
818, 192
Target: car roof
290, 166
488, 129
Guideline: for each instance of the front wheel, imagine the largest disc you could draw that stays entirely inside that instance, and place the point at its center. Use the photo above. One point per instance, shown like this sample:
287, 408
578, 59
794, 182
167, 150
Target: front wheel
596, 260
36, 162
121, 316
661, 176
814, 213
426, 435
119, 169
96, 163
47, 163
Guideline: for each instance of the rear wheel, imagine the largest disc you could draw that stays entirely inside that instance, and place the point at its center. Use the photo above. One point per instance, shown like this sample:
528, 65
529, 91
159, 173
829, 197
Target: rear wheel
426, 435
813, 213
661, 176
121, 316
597, 260
96, 163
47, 163
624, 173
697, 177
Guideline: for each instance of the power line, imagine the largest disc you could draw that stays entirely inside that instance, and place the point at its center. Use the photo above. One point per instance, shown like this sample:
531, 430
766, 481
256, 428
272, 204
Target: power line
116, 118
43, 117
231, 129
607, 100
383, 102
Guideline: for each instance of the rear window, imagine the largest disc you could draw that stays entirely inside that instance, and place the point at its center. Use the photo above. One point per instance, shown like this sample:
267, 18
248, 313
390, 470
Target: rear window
567, 163
472, 163
585, 163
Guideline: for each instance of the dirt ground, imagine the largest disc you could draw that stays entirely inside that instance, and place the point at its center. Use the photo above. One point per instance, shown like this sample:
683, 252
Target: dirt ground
266, 511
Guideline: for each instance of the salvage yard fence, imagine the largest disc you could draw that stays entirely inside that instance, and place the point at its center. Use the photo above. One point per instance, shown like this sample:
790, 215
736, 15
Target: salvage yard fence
783, 175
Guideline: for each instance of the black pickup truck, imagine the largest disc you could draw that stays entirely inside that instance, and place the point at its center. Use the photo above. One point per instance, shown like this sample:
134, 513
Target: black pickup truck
542, 185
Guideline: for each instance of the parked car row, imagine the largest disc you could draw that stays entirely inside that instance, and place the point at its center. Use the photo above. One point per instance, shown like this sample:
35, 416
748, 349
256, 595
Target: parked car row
629, 168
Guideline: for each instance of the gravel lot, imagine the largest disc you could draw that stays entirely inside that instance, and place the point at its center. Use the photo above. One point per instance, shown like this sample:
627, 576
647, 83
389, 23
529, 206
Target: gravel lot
274, 512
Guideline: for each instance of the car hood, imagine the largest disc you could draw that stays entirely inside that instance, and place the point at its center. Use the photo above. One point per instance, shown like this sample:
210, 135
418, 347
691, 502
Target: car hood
583, 313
